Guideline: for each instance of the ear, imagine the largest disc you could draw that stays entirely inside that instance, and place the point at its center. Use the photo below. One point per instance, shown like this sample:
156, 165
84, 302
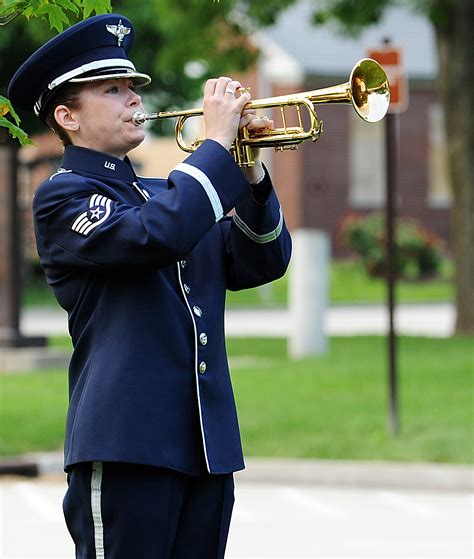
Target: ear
66, 118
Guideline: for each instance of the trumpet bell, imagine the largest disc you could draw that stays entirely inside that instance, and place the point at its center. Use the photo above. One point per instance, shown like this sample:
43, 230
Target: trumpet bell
370, 90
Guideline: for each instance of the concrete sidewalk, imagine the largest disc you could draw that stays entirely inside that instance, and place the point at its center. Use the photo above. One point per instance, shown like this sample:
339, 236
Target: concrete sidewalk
433, 320
419, 319
341, 473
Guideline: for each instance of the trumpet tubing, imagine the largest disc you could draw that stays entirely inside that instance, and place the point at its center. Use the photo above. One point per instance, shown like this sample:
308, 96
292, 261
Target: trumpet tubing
367, 90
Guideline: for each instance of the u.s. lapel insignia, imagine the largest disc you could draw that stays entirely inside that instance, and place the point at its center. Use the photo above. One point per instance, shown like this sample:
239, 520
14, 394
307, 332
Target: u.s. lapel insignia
119, 31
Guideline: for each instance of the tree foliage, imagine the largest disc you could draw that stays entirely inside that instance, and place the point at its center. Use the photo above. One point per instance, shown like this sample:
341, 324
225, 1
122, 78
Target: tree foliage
56, 12
352, 16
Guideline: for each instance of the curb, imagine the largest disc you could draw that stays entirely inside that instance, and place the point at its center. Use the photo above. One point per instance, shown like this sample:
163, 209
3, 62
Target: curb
342, 473
21, 467
396, 475
33, 465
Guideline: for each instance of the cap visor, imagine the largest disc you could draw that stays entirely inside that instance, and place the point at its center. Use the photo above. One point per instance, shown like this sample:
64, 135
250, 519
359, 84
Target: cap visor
140, 80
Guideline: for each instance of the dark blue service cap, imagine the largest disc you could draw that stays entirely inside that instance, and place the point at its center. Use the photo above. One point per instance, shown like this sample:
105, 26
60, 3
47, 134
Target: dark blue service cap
93, 49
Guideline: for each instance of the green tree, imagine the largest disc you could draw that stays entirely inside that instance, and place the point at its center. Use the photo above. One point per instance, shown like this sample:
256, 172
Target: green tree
453, 23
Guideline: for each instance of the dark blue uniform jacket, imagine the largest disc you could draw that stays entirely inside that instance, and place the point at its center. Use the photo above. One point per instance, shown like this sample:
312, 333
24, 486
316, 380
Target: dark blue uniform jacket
142, 266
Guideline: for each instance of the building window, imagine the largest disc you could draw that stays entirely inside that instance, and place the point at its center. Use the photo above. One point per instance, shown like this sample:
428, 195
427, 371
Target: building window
366, 163
439, 191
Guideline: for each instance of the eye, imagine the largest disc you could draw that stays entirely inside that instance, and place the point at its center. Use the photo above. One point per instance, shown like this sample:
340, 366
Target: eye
132, 87
113, 89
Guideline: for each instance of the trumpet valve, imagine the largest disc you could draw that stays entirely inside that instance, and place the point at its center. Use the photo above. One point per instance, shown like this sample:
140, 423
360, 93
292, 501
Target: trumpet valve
242, 90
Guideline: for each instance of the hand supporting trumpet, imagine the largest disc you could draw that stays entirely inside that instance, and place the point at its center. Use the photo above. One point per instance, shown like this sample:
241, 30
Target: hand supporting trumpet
225, 114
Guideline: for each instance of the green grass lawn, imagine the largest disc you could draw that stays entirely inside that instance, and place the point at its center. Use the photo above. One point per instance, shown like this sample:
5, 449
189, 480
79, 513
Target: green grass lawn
333, 406
348, 284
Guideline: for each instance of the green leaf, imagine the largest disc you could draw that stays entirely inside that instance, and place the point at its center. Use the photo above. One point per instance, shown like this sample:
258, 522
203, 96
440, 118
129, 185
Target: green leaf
68, 5
28, 12
6, 107
15, 131
57, 17
96, 6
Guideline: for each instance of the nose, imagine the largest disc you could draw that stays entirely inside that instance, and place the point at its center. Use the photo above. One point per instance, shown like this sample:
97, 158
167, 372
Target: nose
135, 99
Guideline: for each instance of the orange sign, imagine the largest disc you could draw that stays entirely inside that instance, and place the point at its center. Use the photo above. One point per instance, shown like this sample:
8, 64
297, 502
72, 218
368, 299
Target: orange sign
390, 59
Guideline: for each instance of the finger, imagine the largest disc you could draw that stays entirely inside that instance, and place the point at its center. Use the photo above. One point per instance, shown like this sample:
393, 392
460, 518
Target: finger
245, 120
210, 87
261, 123
242, 101
221, 85
256, 123
232, 88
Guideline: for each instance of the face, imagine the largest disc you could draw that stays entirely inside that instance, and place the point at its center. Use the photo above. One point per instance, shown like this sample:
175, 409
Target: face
103, 120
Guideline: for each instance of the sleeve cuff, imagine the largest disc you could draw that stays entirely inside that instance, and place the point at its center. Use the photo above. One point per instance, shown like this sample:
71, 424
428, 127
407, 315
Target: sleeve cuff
261, 190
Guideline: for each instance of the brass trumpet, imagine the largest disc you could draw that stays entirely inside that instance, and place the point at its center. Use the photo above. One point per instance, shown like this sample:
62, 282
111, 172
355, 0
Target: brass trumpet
367, 90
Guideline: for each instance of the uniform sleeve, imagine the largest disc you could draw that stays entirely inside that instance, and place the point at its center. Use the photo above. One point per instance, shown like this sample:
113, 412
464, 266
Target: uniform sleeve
77, 226
258, 244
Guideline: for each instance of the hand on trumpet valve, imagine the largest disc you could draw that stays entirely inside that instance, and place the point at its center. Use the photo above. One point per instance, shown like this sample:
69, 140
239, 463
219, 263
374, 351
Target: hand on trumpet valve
224, 101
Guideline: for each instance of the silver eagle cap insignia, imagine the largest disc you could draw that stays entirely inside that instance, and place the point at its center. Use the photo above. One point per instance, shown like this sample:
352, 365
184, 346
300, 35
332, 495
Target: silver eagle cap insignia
119, 31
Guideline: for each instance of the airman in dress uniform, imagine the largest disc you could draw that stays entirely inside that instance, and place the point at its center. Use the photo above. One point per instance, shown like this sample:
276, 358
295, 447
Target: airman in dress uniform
142, 266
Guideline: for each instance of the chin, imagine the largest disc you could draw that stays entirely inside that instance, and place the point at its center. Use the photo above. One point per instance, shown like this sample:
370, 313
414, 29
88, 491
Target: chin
136, 138
138, 141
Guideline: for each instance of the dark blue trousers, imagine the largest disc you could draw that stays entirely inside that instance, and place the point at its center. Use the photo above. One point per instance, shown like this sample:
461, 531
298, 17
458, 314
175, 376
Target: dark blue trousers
128, 511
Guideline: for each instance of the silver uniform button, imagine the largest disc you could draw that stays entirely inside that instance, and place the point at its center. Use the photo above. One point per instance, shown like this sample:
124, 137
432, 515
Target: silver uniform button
197, 310
186, 288
203, 338
183, 263
202, 367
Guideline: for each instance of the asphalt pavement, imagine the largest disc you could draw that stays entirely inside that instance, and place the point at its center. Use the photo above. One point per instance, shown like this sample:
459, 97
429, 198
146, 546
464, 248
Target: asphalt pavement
274, 520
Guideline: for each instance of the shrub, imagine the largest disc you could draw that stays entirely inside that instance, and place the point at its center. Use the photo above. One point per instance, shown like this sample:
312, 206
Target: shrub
418, 250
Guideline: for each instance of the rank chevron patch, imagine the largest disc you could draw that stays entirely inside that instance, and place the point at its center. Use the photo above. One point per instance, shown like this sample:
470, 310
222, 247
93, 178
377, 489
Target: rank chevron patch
99, 210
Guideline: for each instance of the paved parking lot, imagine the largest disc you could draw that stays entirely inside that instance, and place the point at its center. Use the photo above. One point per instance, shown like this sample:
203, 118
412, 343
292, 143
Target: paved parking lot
274, 521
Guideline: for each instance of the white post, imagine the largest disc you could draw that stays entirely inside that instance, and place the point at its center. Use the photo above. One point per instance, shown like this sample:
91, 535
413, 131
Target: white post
308, 292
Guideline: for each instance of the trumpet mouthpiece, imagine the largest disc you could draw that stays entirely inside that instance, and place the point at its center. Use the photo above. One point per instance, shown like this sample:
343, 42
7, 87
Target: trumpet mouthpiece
138, 118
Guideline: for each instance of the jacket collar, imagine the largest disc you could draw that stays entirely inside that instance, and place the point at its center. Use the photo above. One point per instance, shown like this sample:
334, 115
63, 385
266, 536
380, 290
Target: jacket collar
97, 163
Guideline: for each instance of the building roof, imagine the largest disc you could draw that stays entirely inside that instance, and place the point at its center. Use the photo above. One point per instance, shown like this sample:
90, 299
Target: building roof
320, 50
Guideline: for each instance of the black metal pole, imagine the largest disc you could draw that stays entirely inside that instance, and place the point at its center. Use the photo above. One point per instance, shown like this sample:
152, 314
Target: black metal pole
10, 334
14, 252
391, 136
